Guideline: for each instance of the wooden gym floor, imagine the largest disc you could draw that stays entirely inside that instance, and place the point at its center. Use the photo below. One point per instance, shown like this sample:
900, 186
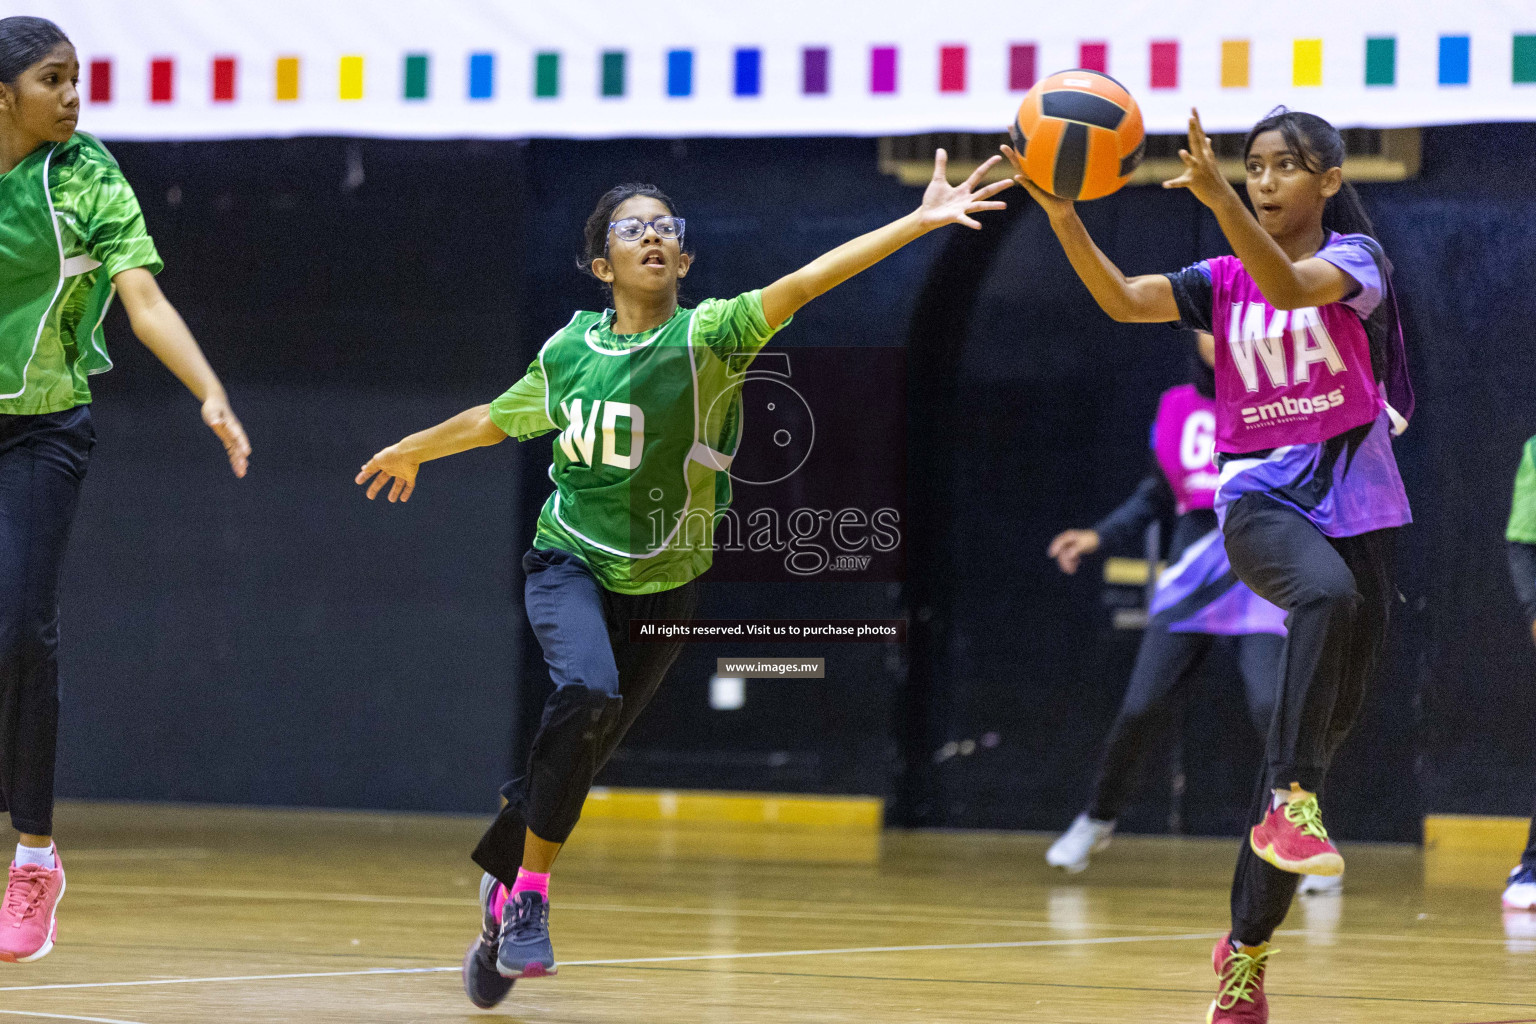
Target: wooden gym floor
183, 914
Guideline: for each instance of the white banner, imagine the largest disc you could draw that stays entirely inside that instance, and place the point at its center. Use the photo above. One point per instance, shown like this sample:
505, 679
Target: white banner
182, 69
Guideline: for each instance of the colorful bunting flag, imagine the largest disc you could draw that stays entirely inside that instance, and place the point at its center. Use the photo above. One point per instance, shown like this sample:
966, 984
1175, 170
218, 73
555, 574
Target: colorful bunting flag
224, 79
1234, 63
1022, 71
951, 69
416, 83
287, 79
882, 70
815, 70
350, 78
613, 73
101, 81
482, 76
162, 80
1165, 64
1307, 62
1455, 60
748, 80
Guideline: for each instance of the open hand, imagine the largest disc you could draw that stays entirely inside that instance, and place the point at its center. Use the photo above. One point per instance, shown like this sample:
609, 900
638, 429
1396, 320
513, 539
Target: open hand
1202, 173
944, 203
387, 464
1069, 547
1054, 206
222, 421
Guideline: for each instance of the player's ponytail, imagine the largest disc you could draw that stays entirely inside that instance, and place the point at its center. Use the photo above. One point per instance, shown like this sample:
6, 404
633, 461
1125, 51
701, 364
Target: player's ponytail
23, 42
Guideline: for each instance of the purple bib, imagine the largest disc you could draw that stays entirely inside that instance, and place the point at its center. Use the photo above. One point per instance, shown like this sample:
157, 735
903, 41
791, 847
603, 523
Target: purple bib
1184, 441
1297, 376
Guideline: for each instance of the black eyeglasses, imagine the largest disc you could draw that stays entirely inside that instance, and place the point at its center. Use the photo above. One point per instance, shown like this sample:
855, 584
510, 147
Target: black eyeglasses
632, 229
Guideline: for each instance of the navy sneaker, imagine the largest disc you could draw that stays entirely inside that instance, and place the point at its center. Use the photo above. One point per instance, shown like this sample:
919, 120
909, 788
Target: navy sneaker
525, 951
482, 982
1521, 893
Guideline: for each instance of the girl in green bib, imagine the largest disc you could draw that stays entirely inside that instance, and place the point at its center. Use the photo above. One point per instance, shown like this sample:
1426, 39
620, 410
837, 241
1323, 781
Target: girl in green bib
71, 238
1520, 890
646, 399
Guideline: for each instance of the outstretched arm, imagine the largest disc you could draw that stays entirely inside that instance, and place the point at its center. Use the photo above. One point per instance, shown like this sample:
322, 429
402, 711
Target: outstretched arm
471, 428
1286, 284
942, 204
1147, 298
1152, 499
157, 324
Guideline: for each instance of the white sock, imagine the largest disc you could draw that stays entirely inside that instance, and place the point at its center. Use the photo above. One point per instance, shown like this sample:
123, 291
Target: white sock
42, 856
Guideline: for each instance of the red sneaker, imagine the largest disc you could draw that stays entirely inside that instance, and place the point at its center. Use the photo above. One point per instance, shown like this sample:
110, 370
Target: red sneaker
28, 919
1240, 999
1292, 838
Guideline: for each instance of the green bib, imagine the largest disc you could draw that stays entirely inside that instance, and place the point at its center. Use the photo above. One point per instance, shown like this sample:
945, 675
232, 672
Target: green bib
69, 223
31, 266
1522, 510
638, 468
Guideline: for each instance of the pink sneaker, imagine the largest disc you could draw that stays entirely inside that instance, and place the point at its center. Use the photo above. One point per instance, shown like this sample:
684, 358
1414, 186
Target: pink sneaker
1240, 999
1292, 838
28, 917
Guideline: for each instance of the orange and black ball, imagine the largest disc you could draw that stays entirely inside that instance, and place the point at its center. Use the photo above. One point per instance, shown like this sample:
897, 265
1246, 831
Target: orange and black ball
1079, 134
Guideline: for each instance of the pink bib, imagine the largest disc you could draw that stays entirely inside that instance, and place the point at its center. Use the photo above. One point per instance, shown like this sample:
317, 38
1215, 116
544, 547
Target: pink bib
1297, 376
1184, 442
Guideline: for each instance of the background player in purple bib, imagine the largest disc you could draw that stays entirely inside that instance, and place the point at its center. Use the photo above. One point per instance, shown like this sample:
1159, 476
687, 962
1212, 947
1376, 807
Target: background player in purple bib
1197, 599
1311, 381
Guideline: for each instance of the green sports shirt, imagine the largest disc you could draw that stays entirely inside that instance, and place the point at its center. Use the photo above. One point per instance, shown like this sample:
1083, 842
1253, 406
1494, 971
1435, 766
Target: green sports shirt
1522, 511
69, 222
649, 424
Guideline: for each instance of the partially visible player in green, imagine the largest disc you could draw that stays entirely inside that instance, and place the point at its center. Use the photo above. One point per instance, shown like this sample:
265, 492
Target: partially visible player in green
71, 238
1520, 535
646, 397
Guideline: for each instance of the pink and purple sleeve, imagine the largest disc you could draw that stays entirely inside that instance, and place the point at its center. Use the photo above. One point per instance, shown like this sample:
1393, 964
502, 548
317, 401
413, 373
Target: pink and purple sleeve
1361, 257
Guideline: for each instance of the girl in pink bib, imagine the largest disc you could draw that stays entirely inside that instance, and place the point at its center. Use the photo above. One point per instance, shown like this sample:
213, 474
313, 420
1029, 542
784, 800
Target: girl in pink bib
1311, 384
1195, 600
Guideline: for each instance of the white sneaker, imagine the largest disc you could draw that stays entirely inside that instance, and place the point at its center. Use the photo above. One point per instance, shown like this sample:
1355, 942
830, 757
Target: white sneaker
1521, 894
1086, 837
1314, 885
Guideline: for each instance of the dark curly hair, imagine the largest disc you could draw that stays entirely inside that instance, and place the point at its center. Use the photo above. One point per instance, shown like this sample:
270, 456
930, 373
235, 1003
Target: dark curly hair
23, 42
595, 233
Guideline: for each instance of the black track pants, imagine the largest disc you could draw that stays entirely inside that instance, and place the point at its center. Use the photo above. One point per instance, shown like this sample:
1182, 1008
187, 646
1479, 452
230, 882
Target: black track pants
1337, 591
42, 465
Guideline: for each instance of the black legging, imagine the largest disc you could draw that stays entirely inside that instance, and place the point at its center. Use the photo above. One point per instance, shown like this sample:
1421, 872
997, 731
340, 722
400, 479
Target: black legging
42, 464
1337, 591
1522, 570
1166, 662
603, 680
